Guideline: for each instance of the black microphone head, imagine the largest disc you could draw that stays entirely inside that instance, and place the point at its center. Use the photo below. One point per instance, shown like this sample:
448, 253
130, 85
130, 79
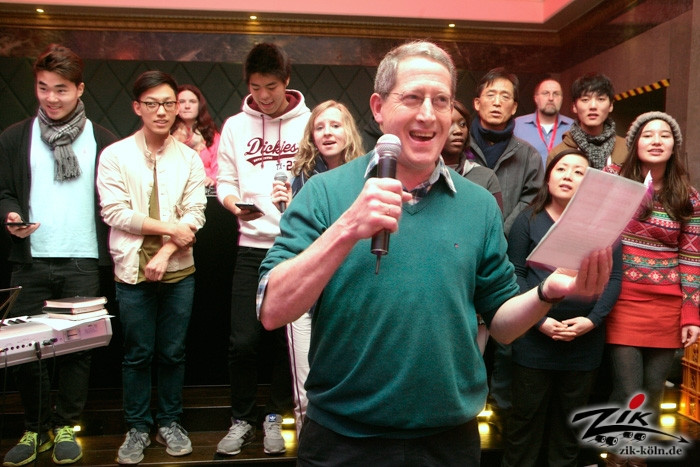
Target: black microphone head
281, 176
388, 146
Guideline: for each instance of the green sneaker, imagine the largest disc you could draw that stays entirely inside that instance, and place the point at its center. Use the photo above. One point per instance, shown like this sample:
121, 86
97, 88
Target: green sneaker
65, 450
25, 451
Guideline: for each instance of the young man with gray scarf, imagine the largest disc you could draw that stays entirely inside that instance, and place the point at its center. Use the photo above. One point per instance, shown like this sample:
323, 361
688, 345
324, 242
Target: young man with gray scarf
49, 205
594, 130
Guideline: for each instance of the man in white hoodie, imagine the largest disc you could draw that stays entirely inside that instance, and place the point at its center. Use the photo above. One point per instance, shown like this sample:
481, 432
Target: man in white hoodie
258, 145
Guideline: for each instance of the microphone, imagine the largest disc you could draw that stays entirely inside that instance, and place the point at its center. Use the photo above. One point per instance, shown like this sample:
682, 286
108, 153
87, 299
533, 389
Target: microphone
388, 148
281, 176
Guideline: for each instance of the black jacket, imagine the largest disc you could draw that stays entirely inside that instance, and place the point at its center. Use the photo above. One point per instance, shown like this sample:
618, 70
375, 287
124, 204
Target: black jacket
15, 184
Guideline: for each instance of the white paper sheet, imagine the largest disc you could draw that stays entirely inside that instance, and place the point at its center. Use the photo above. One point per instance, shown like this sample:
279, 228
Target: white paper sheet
594, 219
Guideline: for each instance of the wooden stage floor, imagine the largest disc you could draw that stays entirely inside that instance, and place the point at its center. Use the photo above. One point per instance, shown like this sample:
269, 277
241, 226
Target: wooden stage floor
206, 418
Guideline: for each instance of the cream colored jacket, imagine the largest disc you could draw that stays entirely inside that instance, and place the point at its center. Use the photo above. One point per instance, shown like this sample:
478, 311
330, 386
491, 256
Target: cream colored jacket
125, 183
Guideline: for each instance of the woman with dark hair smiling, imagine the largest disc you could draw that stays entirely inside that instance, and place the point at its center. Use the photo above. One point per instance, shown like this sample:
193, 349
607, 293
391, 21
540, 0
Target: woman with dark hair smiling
555, 362
658, 309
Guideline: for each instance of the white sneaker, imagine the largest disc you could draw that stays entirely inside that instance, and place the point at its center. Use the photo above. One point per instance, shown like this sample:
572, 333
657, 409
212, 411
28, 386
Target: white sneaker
273, 443
174, 437
240, 434
131, 451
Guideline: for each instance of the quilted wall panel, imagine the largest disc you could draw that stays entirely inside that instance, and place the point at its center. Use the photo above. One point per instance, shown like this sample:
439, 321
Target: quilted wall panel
108, 84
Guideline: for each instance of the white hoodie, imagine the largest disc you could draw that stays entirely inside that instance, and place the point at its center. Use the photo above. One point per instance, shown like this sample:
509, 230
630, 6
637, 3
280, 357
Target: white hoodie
253, 148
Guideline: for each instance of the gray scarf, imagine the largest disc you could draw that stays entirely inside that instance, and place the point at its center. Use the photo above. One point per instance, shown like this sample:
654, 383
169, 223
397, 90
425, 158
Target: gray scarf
597, 148
59, 135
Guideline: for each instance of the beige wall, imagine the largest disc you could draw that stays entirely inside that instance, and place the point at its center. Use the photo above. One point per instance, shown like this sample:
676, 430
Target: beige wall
668, 51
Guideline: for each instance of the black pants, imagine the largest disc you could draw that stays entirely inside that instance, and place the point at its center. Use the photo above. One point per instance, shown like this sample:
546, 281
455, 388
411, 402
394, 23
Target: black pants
247, 336
459, 446
543, 400
41, 280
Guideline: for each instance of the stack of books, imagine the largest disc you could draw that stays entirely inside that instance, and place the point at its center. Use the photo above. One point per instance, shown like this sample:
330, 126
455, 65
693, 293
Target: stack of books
75, 308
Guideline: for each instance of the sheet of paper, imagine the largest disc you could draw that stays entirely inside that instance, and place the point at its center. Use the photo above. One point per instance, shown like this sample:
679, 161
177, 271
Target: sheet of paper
594, 219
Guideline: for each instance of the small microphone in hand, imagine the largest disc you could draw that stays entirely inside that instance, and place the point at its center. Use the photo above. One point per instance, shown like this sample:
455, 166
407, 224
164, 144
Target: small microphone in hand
281, 176
388, 148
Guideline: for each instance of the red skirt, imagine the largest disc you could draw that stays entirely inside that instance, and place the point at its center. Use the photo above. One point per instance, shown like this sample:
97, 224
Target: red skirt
655, 322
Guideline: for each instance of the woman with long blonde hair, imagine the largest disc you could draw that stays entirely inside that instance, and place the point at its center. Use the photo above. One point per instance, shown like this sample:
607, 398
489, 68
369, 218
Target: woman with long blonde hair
330, 139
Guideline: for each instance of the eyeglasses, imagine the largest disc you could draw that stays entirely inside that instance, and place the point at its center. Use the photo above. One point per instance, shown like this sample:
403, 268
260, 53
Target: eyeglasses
153, 106
491, 96
549, 93
412, 100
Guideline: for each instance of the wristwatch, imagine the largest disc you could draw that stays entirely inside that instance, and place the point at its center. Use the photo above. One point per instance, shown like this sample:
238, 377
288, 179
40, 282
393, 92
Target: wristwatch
543, 298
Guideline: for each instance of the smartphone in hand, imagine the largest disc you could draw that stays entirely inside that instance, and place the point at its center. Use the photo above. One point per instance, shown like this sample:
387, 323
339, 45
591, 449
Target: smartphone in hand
19, 224
249, 206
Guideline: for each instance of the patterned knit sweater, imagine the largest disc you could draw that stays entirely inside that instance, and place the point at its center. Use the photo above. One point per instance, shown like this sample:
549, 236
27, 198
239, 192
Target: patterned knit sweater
662, 256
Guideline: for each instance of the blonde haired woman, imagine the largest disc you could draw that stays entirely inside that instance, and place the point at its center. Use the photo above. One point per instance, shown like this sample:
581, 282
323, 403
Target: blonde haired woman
330, 139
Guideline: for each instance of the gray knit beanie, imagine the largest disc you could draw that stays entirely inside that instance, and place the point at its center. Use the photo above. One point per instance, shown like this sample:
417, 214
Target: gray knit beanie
645, 118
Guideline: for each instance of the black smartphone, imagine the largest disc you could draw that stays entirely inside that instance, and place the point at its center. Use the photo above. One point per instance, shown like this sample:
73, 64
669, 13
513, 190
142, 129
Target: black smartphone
248, 206
19, 224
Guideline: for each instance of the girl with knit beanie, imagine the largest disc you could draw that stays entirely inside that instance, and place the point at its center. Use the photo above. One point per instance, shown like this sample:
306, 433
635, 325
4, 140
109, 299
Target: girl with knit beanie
658, 308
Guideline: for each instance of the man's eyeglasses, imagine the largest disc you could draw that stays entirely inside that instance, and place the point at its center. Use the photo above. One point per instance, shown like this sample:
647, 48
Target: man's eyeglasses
492, 96
152, 106
412, 100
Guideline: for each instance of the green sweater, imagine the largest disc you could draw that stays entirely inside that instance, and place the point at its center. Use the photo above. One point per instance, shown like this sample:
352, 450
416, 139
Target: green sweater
395, 354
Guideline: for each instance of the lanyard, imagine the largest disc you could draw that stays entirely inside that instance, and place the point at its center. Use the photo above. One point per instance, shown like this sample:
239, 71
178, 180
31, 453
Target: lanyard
554, 132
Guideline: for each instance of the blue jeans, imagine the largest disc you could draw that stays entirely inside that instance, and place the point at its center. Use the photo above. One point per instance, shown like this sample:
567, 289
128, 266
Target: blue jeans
154, 318
43, 279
